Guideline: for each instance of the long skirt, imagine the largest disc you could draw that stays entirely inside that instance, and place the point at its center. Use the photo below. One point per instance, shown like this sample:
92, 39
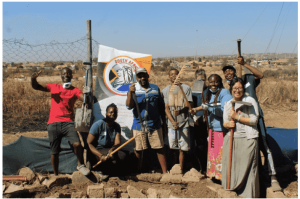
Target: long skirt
214, 154
244, 166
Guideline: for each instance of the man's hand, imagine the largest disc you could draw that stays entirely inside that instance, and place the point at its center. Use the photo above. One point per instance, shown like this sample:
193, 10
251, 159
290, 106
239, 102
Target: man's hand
241, 60
132, 88
103, 158
193, 111
36, 74
177, 81
175, 125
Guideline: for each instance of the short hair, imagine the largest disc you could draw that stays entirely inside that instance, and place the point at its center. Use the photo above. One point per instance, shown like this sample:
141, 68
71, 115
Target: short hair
174, 69
66, 69
209, 93
200, 71
113, 106
235, 80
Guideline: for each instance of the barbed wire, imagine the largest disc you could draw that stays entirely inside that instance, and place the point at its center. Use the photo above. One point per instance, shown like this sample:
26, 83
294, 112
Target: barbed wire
19, 50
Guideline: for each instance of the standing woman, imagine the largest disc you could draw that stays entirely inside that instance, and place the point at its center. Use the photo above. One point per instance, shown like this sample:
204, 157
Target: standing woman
244, 165
216, 96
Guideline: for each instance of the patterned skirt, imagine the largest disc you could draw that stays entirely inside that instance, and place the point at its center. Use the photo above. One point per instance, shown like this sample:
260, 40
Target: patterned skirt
214, 155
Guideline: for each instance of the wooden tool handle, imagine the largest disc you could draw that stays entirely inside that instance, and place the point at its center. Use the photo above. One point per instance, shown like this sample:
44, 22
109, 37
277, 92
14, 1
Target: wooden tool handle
239, 47
230, 153
117, 149
138, 110
189, 105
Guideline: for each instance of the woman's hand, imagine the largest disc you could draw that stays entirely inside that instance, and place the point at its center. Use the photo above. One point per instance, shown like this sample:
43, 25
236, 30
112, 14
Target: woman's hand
230, 124
233, 115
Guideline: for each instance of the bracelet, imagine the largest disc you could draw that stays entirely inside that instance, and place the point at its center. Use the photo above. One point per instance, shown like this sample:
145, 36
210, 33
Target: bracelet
239, 118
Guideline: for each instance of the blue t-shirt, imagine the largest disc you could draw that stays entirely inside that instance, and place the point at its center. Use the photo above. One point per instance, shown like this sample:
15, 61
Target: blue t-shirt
149, 101
104, 134
215, 112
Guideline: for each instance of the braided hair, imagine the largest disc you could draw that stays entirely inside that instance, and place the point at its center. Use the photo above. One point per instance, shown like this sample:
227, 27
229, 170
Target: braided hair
209, 93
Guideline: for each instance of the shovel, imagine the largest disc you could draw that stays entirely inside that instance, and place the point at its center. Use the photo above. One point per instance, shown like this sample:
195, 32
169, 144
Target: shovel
238, 104
173, 101
198, 88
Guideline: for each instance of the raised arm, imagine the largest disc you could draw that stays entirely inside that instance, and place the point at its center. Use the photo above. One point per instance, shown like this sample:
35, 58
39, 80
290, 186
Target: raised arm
35, 85
258, 74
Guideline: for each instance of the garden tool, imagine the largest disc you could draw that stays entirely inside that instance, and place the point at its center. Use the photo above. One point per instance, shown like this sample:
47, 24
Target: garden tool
239, 73
235, 105
83, 115
198, 88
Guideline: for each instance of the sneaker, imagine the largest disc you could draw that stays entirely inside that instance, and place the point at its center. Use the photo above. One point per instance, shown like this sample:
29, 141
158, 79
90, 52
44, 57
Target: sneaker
85, 171
101, 175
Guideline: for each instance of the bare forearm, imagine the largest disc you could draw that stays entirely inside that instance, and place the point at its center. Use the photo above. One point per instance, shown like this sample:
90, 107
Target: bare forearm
94, 150
169, 115
129, 100
35, 85
258, 74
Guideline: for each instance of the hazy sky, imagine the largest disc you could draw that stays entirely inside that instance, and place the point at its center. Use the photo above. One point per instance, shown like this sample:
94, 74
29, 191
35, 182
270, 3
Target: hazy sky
159, 28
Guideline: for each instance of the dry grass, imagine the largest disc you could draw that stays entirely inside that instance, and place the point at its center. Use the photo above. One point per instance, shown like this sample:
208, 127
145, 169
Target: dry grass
26, 109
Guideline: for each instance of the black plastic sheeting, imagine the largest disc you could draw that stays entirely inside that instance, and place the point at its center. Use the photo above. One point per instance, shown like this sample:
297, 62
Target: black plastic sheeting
35, 152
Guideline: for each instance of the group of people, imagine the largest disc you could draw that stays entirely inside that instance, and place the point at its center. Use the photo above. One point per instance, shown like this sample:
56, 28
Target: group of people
170, 117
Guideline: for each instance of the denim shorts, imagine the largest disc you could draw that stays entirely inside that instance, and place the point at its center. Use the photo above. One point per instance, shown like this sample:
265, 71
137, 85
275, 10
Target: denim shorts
57, 131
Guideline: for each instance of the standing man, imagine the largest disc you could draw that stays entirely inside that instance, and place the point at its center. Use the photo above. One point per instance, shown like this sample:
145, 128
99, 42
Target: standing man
251, 82
151, 106
178, 128
61, 118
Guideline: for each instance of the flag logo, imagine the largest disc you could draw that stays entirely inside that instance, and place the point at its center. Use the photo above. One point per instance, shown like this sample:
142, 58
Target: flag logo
119, 73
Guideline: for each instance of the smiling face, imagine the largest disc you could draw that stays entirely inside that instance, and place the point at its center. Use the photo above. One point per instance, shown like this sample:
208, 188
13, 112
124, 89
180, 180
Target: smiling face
214, 83
142, 78
111, 114
172, 75
66, 75
237, 91
229, 74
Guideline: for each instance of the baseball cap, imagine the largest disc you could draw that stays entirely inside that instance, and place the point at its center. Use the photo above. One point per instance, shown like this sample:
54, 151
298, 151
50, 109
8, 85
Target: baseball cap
228, 67
140, 70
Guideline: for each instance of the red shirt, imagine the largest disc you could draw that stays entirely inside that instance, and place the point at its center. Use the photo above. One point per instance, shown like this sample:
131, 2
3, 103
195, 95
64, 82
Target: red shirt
62, 103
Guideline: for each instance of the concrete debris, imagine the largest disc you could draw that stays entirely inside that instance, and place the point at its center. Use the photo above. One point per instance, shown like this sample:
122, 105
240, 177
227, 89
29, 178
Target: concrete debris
13, 188
222, 193
171, 178
124, 195
95, 191
213, 186
271, 194
134, 193
149, 177
41, 177
152, 193
192, 176
110, 192
79, 194
79, 178
176, 169
158, 193
25, 171
57, 181
3, 188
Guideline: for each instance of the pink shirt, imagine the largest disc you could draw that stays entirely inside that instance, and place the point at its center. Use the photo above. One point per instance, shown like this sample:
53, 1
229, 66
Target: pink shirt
62, 103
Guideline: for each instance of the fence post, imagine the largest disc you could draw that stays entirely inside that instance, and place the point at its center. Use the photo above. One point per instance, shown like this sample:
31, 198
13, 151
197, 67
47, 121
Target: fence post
89, 58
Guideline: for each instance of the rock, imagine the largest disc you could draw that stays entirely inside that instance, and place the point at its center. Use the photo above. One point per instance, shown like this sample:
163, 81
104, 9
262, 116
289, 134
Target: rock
271, 194
3, 188
176, 169
79, 178
13, 188
57, 181
36, 188
192, 176
37, 182
152, 193
110, 192
134, 193
171, 178
95, 191
25, 171
56, 195
162, 193
173, 196
213, 186
45, 182
222, 193
149, 177
79, 194
124, 195
41, 177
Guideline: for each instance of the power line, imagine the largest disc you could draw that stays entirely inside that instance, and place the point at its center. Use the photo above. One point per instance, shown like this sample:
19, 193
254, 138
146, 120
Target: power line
295, 47
283, 27
274, 29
